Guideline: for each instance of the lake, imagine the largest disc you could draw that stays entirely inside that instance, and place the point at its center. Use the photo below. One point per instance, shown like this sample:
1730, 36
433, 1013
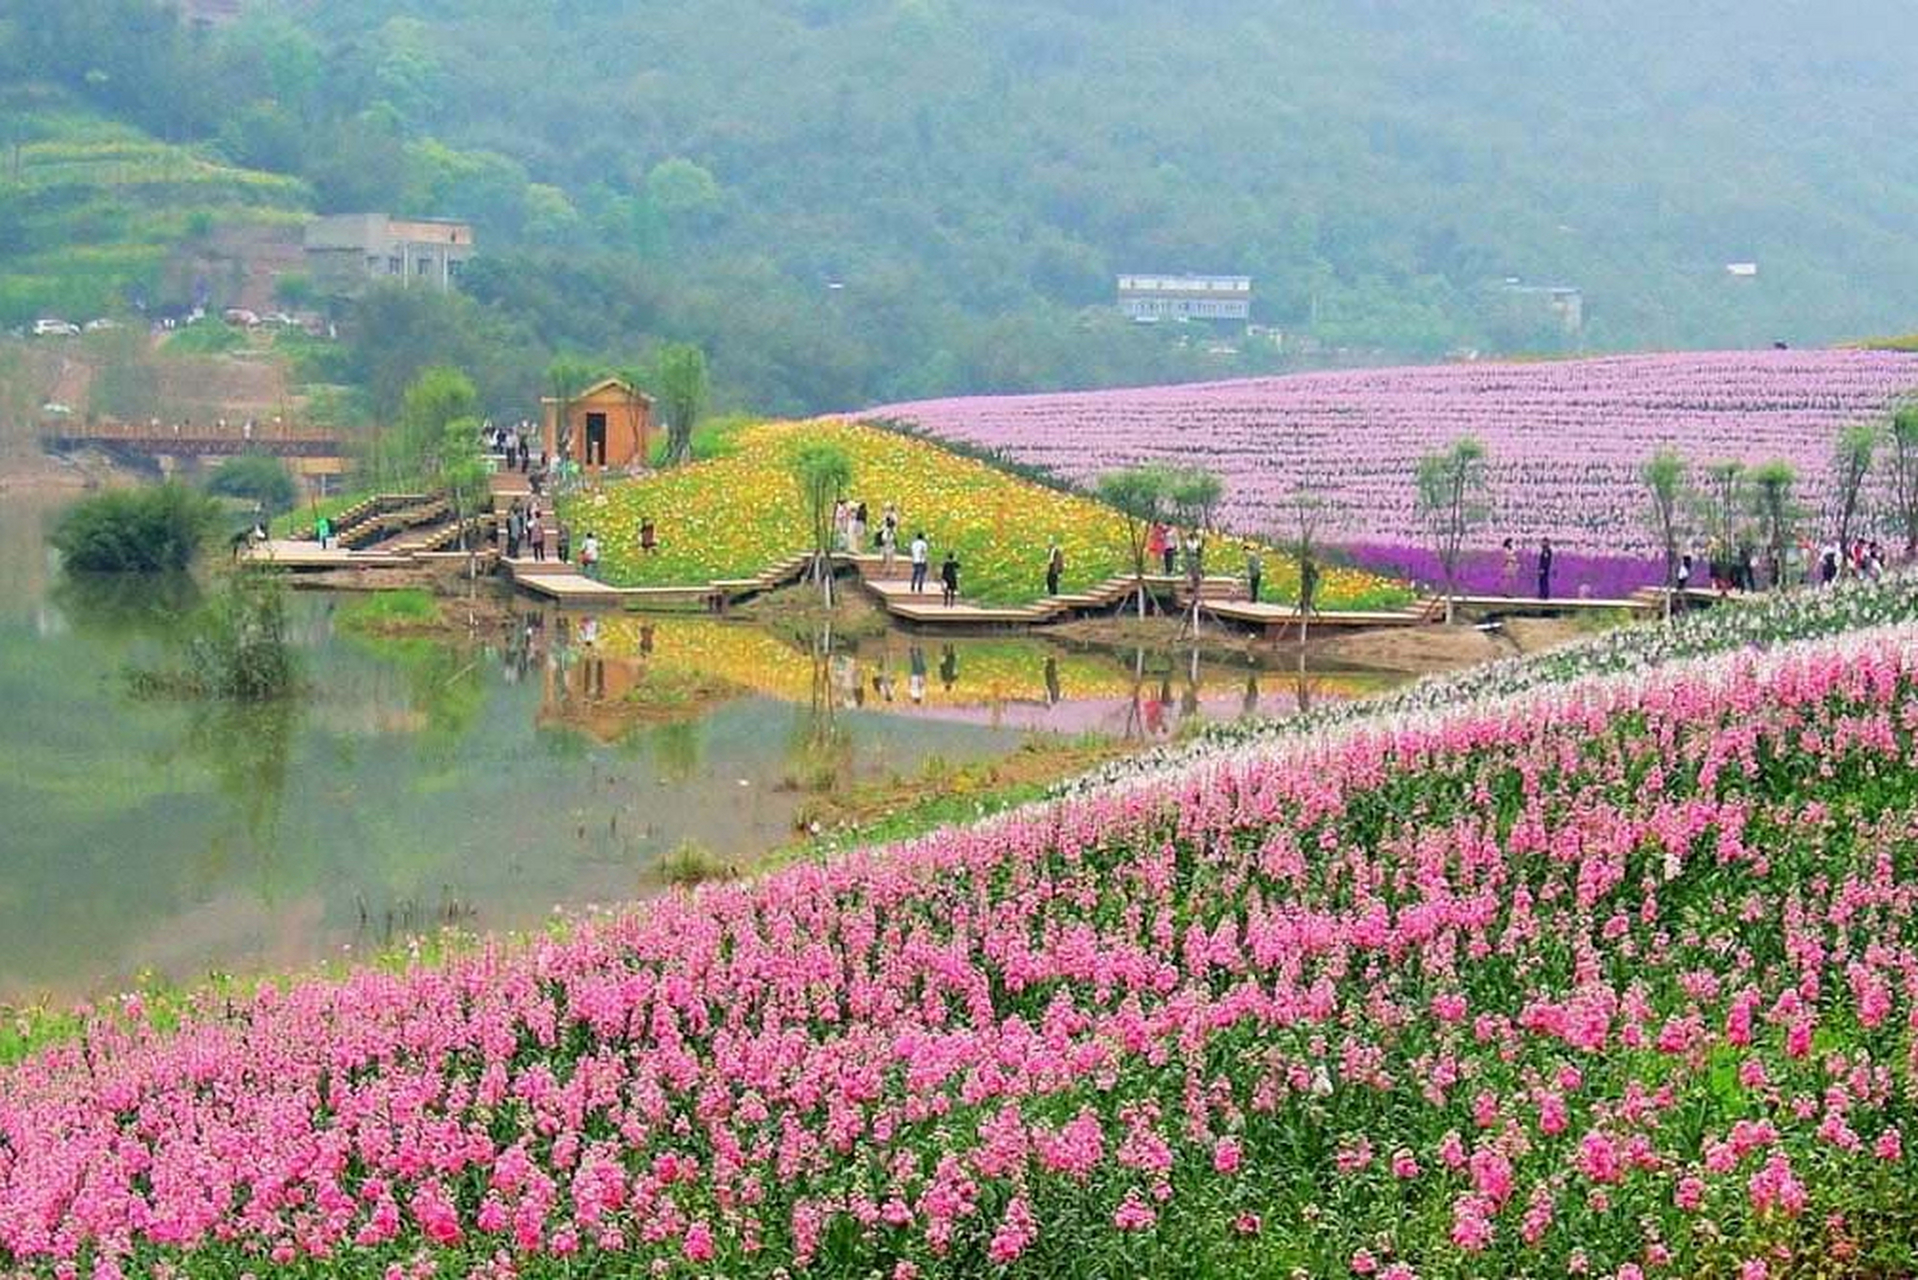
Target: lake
419, 783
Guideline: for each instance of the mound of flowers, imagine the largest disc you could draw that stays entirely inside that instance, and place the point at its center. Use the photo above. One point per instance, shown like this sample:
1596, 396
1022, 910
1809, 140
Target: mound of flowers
733, 516
1614, 980
1567, 437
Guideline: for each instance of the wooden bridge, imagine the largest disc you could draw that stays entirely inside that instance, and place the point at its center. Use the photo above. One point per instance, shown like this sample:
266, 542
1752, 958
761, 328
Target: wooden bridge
192, 440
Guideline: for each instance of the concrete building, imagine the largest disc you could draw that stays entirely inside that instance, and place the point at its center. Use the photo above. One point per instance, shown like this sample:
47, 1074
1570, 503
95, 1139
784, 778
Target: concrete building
609, 424
1148, 299
347, 252
1555, 304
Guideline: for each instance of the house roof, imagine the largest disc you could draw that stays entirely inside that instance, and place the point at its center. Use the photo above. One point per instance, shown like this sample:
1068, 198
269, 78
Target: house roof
604, 384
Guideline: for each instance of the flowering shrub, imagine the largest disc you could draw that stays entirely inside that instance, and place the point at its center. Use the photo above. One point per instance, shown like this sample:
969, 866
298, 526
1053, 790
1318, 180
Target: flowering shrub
1567, 438
1615, 980
732, 516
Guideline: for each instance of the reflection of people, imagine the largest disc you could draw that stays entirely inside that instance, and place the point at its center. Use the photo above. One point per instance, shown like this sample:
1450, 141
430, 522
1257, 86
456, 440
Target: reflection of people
1052, 681
588, 630
1250, 702
646, 638
916, 674
948, 667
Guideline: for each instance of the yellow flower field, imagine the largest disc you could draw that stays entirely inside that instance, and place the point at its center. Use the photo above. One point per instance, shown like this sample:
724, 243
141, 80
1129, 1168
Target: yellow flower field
732, 516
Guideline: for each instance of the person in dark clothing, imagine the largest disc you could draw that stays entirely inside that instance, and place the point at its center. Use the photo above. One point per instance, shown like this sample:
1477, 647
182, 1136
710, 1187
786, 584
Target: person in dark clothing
949, 579
1055, 565
1545, 568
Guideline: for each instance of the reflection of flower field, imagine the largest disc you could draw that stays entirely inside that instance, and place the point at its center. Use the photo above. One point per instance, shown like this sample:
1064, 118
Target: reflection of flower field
983, 672
731, 517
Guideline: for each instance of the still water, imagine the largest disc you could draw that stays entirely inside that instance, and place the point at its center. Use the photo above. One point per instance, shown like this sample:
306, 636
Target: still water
417, 783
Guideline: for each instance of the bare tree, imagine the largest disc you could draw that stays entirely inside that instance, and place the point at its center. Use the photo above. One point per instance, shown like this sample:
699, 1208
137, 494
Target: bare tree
1664, 475
1850, 463
1902, 439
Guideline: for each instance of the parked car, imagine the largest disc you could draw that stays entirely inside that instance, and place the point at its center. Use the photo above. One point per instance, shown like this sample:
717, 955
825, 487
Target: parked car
102, 324
240, 316
54, 409
279, 319
55, 329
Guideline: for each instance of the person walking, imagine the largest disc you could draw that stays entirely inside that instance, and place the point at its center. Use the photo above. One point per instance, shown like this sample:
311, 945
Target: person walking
589, 555
1254, 571
920, 552
949, 579
1508, 572
1055, 566
1545, 568
536, 532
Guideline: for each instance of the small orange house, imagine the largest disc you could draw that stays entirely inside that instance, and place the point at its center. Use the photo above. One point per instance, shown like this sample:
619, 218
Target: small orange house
609, 424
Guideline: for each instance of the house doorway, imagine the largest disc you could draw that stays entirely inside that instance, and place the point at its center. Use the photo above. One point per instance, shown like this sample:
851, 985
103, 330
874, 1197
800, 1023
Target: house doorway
595, 439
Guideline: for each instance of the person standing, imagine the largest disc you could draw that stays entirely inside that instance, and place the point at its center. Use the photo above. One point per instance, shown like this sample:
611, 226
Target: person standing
920, 553
1545, 568
323, 530
589, 555
515, 530
888, 540
1508, 572
859, 530
536, 532
1254, 571
1055, 566
841, 525
949, 579
565, 543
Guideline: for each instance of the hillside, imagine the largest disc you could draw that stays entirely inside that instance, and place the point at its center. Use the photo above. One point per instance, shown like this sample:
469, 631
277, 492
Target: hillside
734, 515
1566, 438
95, 213
971, 174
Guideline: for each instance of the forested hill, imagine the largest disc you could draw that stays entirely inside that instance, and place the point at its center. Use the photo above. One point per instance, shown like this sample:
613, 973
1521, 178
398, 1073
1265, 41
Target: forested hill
973, 173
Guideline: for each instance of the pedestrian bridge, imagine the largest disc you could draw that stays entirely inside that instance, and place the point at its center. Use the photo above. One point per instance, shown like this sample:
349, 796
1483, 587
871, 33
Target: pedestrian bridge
192, 440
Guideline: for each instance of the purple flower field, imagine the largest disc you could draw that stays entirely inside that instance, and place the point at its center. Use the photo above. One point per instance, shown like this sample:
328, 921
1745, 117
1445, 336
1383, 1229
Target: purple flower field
1566, 437
1574, 573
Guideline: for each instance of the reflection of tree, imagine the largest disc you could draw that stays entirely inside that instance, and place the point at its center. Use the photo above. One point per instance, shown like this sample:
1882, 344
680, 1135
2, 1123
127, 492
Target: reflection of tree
819, 752
676, 748
121, 604
248, 747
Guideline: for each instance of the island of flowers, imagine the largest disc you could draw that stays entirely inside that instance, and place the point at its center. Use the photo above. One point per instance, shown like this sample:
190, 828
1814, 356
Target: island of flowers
1566, 438
1611, 978
734, 515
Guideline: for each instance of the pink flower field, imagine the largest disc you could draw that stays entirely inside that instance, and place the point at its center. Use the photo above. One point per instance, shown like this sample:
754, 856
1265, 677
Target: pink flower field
1566, 437
1618, 980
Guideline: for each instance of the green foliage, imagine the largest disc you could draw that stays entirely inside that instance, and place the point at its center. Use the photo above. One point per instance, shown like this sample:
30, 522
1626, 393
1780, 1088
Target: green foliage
389, 610
680, 374
1902, 463
237, 648
1453, 495
1773, 505
153, 530
256, 477
414, 448
207, 338
1664, 474
822, 472
1851, 458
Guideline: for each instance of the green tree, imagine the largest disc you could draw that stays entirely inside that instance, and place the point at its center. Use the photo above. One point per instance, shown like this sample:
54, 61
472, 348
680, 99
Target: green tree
566, 377
1903, 463
681, 378
460, 470
156, 530
255, 477
1453, 500
1851, 458
1773, 504
1140, 496
408, 452
822, 471
1725, 498
1664, 477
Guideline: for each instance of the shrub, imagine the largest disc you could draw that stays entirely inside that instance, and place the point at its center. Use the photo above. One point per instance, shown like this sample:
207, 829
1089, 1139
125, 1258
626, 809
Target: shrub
256, 477
154, 530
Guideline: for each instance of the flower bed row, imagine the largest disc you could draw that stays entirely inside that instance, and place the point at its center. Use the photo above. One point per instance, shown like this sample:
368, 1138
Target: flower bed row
1617, 980
1566, 437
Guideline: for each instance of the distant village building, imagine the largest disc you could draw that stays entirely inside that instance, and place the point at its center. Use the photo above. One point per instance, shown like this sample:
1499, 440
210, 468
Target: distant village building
1741, 268
609, 424
1561, 305
1148, 299
348, 252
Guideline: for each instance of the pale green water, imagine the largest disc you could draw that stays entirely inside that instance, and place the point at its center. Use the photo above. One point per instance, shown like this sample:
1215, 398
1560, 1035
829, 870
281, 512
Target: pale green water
415, 783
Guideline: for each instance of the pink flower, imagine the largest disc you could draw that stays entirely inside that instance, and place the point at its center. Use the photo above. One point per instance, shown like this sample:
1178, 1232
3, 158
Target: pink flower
1134, 1214
1363, 1263
1404, 1164
1247, 1224
1226, 1156
698, 1244
1889, 1145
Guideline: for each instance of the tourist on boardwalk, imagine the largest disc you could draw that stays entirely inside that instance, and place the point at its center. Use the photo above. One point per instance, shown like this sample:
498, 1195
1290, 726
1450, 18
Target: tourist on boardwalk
858, 530
920, 552
1508, 572
1055, 566
1545, 568
1254, 571
1158, 546
536, 533
889, 521
949, 579
648, 537
841, 525
1194, 559
565, 543
589, 555
323, 530
888, 546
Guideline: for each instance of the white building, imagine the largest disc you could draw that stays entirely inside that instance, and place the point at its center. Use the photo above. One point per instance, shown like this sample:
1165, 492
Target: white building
1151, 298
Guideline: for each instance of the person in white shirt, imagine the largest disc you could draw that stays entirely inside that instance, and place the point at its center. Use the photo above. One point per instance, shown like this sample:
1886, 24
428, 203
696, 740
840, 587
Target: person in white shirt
921, 553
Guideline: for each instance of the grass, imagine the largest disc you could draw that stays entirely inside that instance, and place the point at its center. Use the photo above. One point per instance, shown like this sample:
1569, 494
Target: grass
735, 513
407, 609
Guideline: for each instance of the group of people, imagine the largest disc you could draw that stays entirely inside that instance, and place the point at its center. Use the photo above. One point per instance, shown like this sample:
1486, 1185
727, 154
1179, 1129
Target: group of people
514, 445
1508, 571
526, 527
